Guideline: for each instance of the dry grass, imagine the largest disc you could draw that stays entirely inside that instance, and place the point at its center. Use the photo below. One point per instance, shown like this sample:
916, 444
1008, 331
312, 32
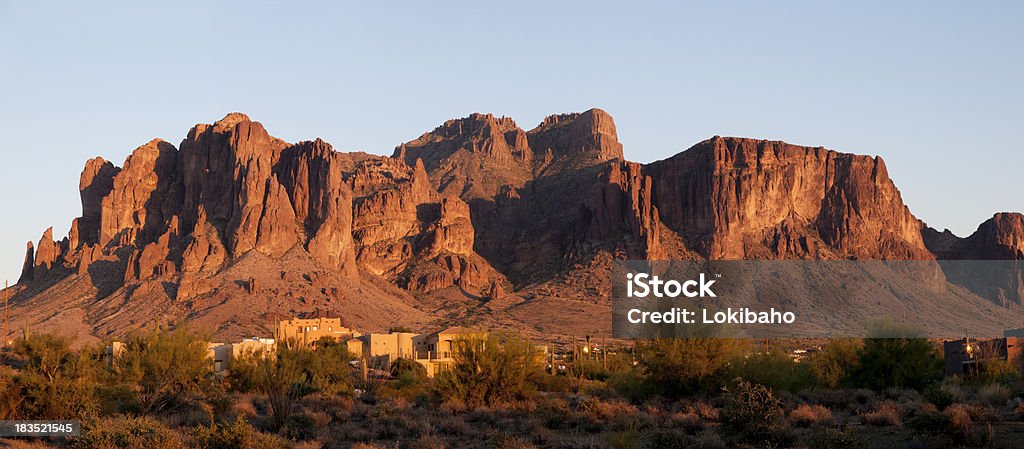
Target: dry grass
806, 415
689, 422
886, 413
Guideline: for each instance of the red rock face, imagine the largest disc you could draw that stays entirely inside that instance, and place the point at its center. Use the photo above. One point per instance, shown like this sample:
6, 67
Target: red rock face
624, 208
740, 198
136, 206
998, 238
477, 206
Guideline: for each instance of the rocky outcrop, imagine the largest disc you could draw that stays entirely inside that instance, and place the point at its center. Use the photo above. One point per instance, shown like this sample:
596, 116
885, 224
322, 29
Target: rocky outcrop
987, 261
998, 238
579, 140
140, 201
623, 212
477, 207
95, 184
28, 265
736, 198
482, 156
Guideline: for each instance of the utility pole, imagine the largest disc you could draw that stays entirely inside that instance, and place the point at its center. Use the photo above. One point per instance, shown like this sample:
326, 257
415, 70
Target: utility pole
604, 352
7, 312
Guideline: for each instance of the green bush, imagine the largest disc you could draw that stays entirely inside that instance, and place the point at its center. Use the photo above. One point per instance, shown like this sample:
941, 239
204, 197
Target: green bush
489, 370
127, 433
237, 435
163, 367
896, 356
775, 370
300, 428
55, 382
676, 367
835, 364
408, 367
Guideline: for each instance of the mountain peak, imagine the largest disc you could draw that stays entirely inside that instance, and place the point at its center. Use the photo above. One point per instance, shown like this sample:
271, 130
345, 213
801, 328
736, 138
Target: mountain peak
232, 119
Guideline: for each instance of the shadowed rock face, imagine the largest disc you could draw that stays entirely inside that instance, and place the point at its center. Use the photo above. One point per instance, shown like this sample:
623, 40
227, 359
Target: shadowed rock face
477, 206
998, 238
740, 198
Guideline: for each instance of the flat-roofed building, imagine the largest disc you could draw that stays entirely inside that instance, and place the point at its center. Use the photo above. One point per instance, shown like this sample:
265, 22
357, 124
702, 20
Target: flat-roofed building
967, 357
379, 350
306, 331
436, 351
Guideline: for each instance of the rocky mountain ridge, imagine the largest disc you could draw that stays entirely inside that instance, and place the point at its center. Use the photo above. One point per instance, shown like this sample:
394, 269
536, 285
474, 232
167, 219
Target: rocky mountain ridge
471, 214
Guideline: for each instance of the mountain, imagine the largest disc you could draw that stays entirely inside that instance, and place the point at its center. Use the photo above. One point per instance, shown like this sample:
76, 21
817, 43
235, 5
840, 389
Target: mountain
477, 222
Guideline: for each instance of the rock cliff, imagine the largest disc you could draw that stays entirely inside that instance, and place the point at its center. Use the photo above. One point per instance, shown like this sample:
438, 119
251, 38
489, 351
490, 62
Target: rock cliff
476, 211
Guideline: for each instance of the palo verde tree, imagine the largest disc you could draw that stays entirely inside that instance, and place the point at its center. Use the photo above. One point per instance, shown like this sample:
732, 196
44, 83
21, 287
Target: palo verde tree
163, 367
489, 370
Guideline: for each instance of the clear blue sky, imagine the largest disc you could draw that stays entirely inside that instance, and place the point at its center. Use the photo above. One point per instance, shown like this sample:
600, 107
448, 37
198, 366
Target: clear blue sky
933, 87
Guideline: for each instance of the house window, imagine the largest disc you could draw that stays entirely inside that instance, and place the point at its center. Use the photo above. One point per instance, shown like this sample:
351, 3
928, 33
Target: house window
307, 328
314, 328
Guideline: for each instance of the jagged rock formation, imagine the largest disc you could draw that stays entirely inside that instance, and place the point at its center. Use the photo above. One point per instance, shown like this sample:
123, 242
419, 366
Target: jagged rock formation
998, 238
477, 210
743, 198
999, 244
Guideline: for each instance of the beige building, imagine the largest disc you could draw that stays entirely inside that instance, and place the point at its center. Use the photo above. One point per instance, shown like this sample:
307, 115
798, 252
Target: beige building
381, 349
436, 351
305, 331
223, 353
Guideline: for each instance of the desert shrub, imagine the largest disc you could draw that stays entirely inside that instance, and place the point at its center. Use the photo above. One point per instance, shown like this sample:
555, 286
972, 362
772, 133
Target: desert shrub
708, 439
996, 395
944, 394
969, 424
676, 367
242, 376
489, 370
127, 433
834, 365
751, 409
705, 411
117, 399
626, 439
280, 378
237, 435
775, 370
896, 356
163, 366
689, 422
885, 413
928, 423
325, 368
664, 439
837, 439
805, 415
1004, 372
300, 428
11, 404
614, 414
408, 366
632, 386
427, 442
54, 382
506, 441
